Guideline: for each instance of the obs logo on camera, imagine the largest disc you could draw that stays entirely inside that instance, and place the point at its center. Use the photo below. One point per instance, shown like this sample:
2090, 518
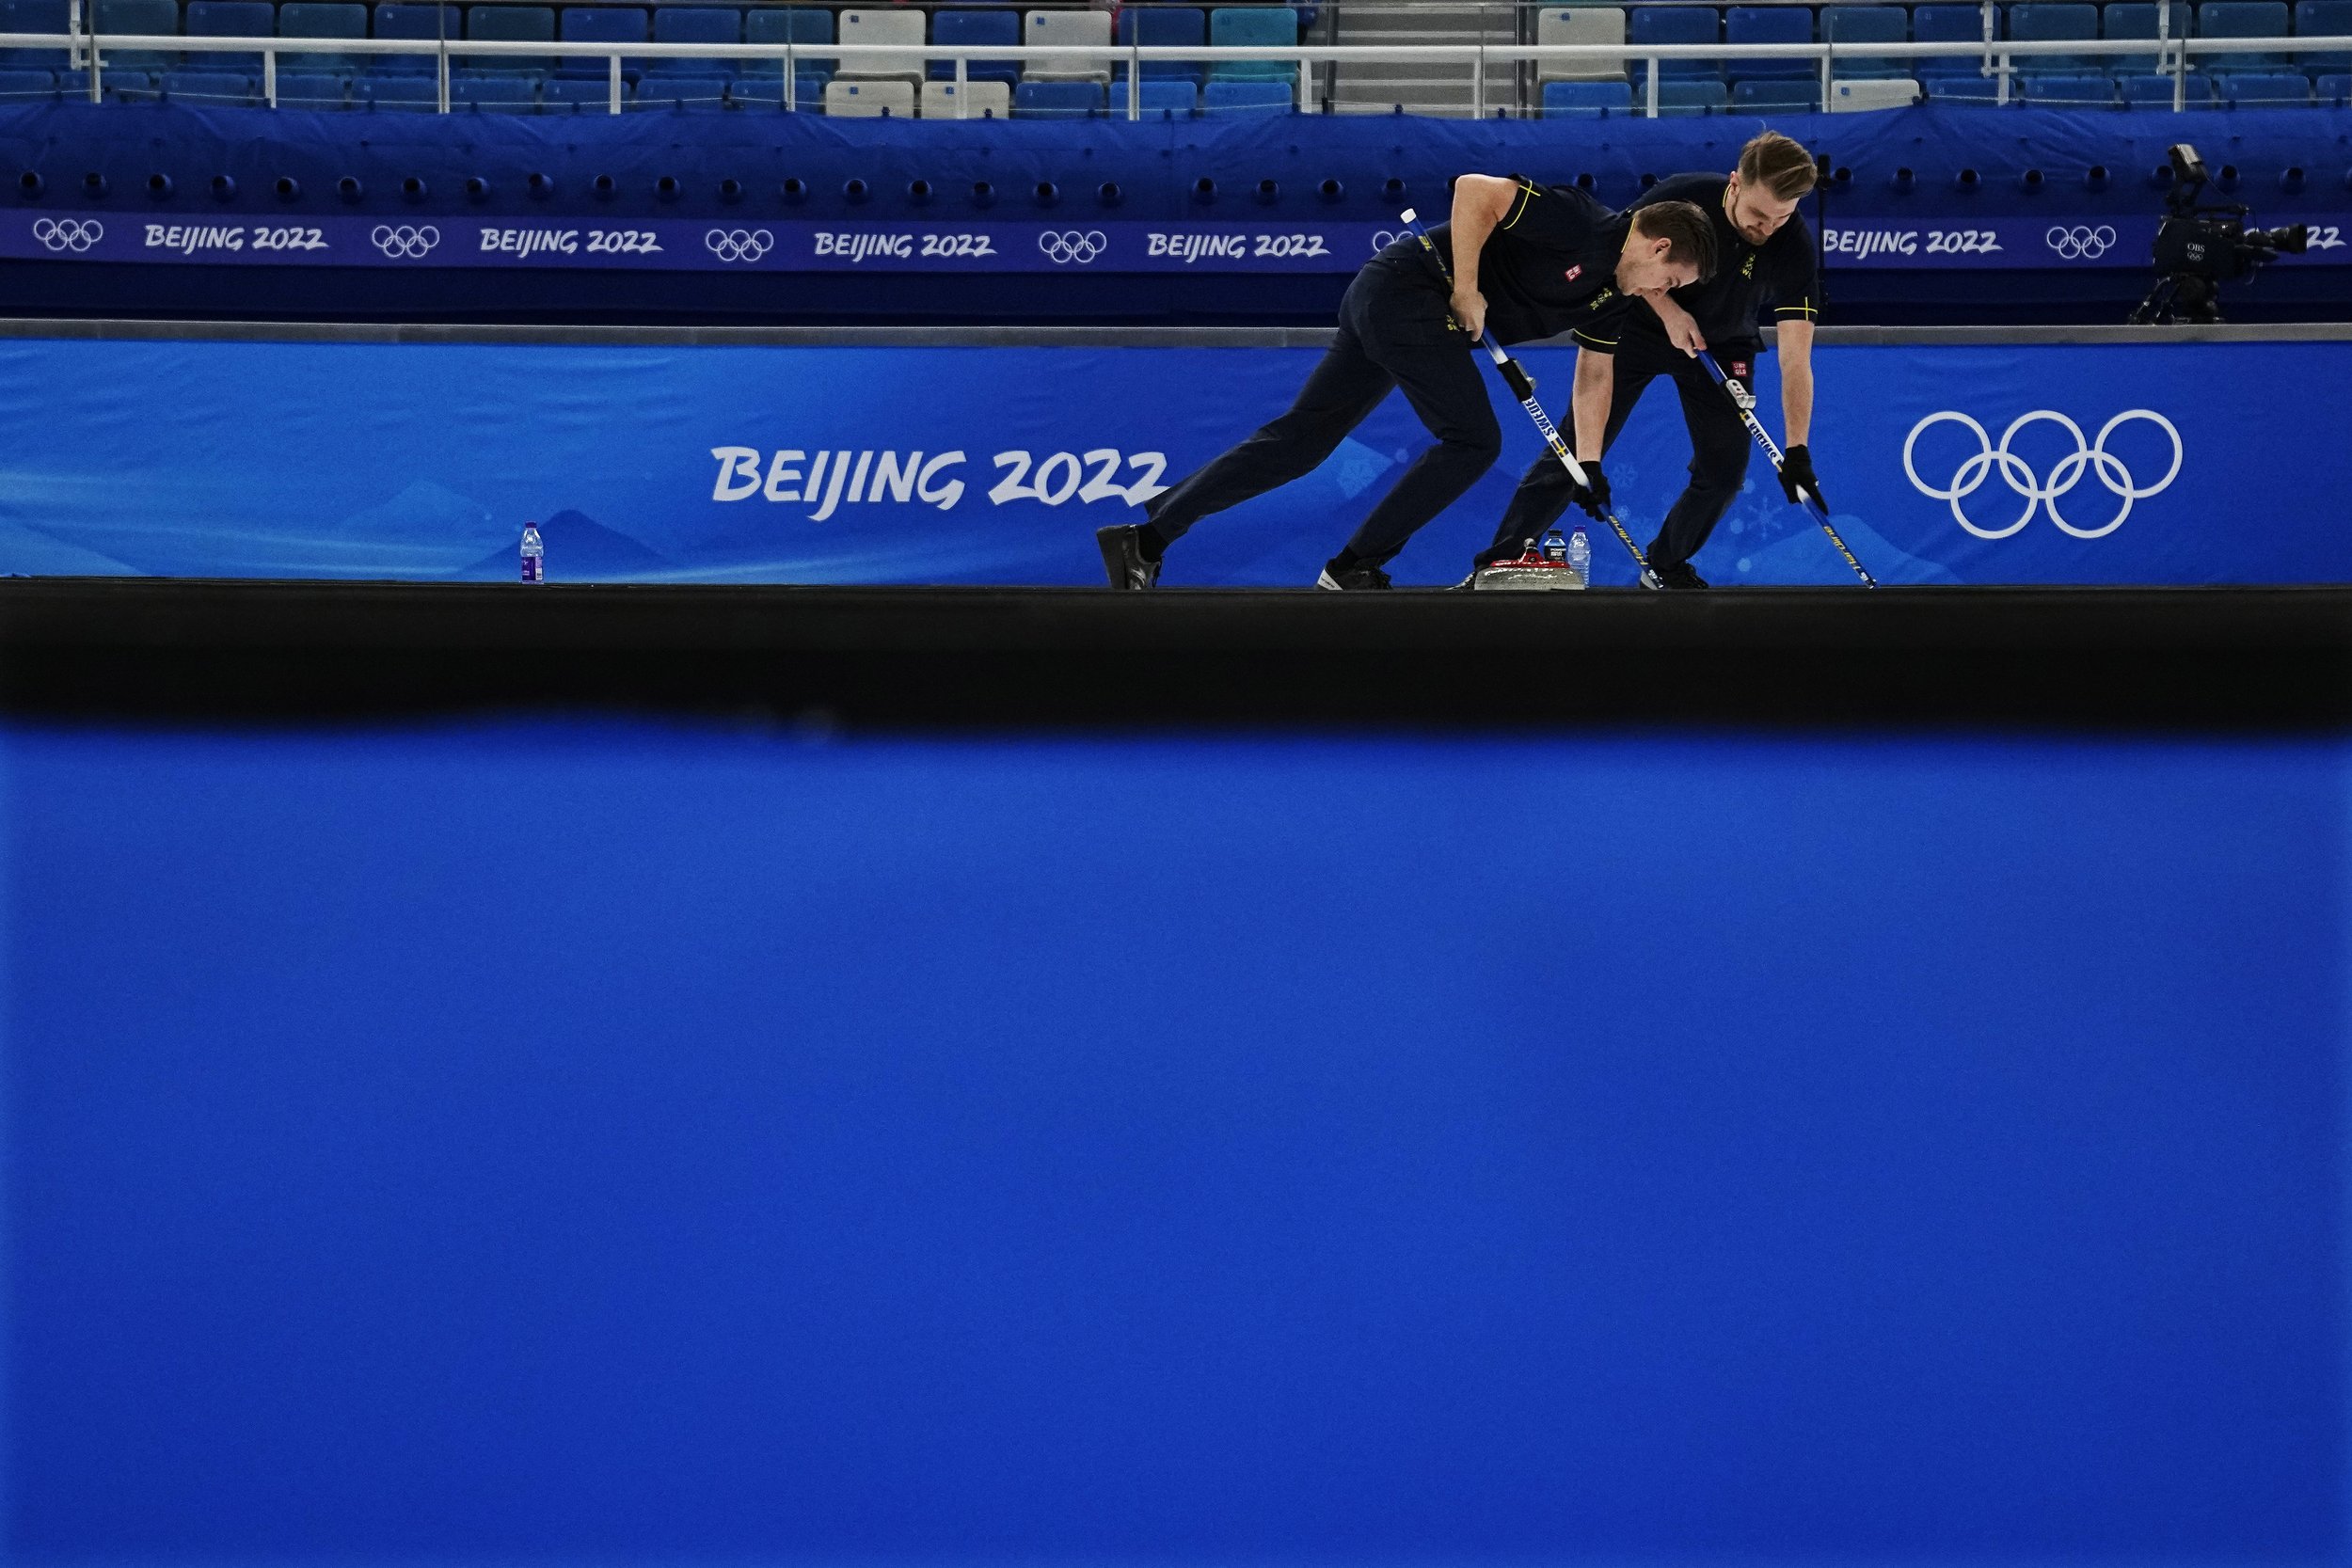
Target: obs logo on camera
2090, 458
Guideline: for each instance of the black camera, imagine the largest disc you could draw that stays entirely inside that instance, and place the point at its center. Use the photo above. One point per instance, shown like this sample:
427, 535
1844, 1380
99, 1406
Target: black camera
2200, 247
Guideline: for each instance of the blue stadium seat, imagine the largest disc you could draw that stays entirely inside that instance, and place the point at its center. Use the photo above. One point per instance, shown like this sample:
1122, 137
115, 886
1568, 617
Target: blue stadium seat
2265, 89
1775, 98
510, 25
139, 17
2335, 89
2137, 18
1254, 27
1946, 24
123, 85
1586, 100
2149, 91
23, 85
766, 91
2050, 23
1673, 24
213, 88
1844, 24
422, 23
1245, 98
2059, 89
689, 89
1157, 100
228, 19
977, 29
1771, 24
1033, 100
793, 24
34, 16
582, 94
404, 93
312, 89
2242, 19
601, 24
1168, 27
697, 25
1980, 90
497, 91
2324, 19
321, 18
1692, 98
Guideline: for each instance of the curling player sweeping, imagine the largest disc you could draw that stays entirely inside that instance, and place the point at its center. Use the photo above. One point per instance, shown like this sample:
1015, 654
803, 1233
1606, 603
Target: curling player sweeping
1764, 259
1528, 261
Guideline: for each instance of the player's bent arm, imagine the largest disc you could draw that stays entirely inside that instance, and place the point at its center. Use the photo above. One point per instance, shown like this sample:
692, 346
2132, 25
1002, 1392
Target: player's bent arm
1682, 328
1480, 202
1596, 380
1796, 380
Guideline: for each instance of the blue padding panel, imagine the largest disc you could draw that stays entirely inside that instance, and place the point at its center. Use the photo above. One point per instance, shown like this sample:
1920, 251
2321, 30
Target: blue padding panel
498, 1088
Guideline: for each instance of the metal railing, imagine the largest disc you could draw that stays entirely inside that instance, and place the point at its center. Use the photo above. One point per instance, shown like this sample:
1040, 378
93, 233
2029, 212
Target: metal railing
1999, 58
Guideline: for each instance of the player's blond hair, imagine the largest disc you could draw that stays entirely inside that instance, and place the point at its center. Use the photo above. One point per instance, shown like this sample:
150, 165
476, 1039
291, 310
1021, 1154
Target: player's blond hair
1778, 165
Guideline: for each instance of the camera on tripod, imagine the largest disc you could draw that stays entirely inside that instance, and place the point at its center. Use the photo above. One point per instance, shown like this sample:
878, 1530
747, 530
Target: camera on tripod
2201, 247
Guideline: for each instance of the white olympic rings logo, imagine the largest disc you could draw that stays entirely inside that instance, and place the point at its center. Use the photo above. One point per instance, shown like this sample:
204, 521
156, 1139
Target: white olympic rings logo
69, 233
2089, 457
739, 245
1383, 238
404, 243
1073, 247
2080, 243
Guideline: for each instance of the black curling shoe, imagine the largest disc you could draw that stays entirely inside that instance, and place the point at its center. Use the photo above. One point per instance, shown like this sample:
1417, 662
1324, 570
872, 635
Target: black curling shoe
1122, 556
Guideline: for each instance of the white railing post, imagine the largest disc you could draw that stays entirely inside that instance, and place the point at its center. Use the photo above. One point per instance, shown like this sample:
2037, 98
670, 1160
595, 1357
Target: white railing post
96, 91
1478, 84
2001, 94
791, 78
1135, 75
1651, 100
441, 69
964, 83
269, 74
612, 83
1829, 51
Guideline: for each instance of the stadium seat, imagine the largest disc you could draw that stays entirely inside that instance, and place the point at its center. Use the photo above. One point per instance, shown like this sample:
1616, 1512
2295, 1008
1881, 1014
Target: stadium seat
1169, 27
2324, 19
1774, 97
1245, 98
424, 23
123, 86
493, 91
2137, 18
228, 19
2335, 89
510, 25
1849, 25
684, 88
312, 89
2264, 89
2149, 91
870, 97
582, 94
34, 16
602, 24
990, 100
1771, 24
1984, 91
150, 17
977, 29
404, 93
1071, 30
23, 85
1155, 100
2053, 23
2059, 89
1946, 24
1692, 98
321, 18
2243, 18
1586, 100
797, 25
1865, 94
1673, 24
1036, 99
903, 29
1254, 27
1592, 26
767, 91
213, 88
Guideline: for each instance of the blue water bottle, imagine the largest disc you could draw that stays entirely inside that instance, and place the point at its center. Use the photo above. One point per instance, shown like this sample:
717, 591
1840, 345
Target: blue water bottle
535, 555
1581, 558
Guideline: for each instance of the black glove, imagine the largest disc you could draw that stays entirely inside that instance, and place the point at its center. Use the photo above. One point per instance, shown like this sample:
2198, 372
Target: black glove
1592, 495
1796, 469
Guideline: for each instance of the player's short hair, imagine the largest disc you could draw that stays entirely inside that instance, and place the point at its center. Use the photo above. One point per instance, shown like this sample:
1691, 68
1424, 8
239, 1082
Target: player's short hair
1778, 165
1688, 232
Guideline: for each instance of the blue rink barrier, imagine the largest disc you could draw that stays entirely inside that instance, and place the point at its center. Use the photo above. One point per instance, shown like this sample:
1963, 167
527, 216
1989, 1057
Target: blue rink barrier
2154, 463
641, 1145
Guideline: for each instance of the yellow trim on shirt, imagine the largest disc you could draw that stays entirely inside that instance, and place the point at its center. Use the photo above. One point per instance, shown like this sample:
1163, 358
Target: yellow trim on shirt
1527, 194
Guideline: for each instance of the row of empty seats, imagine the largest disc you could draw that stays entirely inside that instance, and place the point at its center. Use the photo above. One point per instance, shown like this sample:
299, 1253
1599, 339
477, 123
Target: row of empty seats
2092, 90
2032, 22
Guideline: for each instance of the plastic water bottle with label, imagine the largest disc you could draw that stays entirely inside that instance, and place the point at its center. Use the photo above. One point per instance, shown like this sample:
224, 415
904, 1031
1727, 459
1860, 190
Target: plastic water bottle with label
1581, 558
535, 555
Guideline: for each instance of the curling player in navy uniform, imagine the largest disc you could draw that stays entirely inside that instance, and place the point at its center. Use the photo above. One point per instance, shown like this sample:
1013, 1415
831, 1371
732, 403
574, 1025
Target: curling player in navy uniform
1529, 260
1763, 259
